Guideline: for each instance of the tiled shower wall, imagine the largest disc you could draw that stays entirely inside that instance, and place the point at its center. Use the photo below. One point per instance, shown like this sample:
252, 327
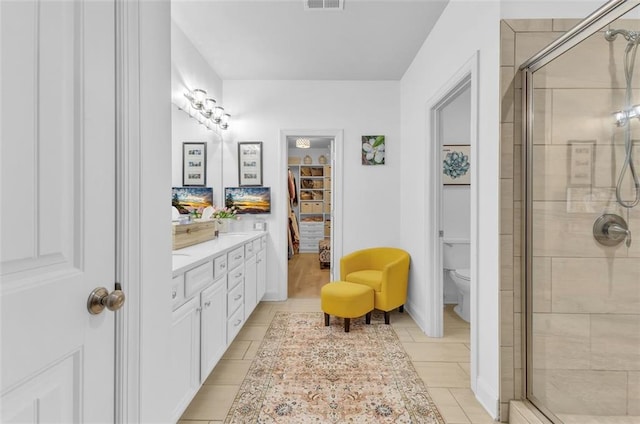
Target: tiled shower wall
579, 334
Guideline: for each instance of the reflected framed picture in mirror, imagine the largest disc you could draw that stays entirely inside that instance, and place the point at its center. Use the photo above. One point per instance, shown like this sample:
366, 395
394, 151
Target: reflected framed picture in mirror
249, 163
194, 164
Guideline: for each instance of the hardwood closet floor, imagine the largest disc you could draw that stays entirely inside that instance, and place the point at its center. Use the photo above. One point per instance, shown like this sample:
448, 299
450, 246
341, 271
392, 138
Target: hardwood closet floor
305, 276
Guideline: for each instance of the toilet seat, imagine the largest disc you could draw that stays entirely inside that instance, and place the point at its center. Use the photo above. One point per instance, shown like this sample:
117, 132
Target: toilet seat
464, 274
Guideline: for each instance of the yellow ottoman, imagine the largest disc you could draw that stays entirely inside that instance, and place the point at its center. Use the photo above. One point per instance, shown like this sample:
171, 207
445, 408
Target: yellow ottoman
346, 300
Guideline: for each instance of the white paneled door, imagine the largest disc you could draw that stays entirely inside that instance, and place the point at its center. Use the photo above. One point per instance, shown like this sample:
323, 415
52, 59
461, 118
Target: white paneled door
58, 212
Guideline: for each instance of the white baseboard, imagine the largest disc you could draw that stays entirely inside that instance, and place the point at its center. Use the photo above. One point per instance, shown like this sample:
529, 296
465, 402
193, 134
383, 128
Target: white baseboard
487, 398
416, 315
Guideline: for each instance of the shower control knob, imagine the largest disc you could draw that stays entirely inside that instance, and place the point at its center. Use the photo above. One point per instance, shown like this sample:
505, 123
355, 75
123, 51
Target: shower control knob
611, 230
616, 230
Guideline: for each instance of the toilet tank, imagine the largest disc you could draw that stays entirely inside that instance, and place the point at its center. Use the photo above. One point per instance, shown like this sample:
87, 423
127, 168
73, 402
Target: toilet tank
456, 254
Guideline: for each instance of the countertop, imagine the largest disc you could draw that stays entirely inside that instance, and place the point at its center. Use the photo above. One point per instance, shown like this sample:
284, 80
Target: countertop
192, 256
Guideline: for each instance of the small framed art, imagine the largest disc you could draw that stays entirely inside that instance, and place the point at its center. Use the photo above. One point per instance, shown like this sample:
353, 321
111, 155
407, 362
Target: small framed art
194, 164
455, 164
249, 163
373, 150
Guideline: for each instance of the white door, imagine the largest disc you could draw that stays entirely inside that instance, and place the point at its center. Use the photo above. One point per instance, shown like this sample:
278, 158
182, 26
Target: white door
58, 211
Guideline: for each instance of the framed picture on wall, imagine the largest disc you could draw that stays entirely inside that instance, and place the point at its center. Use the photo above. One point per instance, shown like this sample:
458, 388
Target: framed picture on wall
194, 164
373, 149
249, 163
456, 162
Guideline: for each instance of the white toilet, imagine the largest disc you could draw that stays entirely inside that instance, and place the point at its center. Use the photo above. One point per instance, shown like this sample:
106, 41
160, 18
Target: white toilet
462, 278
456, 262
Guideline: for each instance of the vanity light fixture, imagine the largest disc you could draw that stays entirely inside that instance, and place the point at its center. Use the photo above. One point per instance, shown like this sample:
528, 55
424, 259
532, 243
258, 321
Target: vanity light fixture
208, 113
218, 112
224, 121
207, 107
196, 97
303, 143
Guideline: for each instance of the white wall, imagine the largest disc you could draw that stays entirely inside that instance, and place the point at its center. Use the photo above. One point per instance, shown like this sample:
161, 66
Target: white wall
538, 9
371, 200
463, 28
189, 70
153, 253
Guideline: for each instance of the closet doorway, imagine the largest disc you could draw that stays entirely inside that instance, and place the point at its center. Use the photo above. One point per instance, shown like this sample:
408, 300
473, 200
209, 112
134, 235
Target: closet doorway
310, 175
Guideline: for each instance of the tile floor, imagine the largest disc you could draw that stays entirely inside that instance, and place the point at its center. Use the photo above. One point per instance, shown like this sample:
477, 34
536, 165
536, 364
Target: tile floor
442, 363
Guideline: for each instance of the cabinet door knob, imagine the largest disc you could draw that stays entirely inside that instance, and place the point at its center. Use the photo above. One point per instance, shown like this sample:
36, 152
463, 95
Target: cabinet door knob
207, 303
238, 297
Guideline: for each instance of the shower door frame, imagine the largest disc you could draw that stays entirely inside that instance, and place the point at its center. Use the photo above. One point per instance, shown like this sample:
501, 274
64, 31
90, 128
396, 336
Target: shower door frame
587, 27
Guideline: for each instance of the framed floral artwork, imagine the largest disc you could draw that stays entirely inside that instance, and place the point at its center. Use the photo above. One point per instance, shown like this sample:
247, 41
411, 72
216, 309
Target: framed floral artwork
373, 150
456, 163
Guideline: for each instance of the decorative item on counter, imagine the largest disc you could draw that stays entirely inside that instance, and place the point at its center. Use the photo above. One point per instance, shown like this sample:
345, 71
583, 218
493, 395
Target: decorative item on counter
307, 160
191, 233
322, 159
224, 217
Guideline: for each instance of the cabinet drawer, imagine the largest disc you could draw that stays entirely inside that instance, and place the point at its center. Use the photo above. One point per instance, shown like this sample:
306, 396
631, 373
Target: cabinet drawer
263, 242
257, 245
219, 266
310, 225
314, 232
198, 278
309, 246
235, 298
234, 324
234, 277
248, 250
177, 291
235, 258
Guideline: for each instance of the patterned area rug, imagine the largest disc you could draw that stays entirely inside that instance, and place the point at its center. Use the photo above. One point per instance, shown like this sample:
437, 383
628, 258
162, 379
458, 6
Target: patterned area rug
305, 372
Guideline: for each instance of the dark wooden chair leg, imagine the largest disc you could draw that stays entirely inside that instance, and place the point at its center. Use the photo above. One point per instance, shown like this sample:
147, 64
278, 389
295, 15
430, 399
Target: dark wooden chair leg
326, 320
367, 318
386, 317
347, 321
401, 308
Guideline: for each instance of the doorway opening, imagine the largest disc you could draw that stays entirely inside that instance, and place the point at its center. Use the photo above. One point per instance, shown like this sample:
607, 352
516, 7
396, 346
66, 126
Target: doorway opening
453, 241
309, 229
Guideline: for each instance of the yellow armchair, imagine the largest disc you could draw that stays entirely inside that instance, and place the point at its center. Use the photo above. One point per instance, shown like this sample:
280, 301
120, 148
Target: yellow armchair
385, 270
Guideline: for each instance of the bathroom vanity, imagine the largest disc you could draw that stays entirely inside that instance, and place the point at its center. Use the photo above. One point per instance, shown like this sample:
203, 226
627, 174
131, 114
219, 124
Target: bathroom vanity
216, 285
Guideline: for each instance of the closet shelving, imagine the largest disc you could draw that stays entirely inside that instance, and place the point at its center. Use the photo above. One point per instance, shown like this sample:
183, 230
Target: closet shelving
314, 204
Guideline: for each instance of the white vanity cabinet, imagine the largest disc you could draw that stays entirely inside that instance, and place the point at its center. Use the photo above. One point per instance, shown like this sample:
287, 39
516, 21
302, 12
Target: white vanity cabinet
185, 355
215, 288
213, 328
235, 292
250, 285
261, 271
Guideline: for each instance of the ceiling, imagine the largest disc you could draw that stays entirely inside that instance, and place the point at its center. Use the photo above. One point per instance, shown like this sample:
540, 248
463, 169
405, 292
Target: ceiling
280, 40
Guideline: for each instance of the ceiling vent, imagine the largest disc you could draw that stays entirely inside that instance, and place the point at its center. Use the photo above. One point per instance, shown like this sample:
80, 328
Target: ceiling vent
323, 4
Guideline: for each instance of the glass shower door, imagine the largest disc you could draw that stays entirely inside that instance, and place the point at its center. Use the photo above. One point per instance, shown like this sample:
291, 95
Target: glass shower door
583, 239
